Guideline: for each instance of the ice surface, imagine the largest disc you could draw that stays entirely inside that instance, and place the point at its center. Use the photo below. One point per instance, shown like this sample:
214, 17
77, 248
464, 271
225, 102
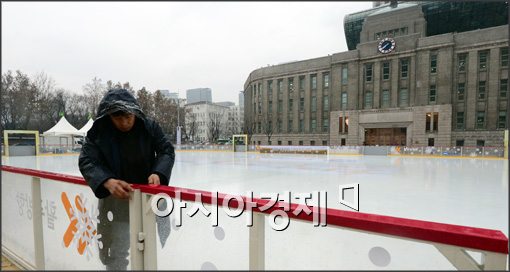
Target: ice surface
472, 192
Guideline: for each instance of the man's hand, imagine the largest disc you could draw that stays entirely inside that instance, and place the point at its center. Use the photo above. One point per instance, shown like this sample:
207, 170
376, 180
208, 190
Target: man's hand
153, 180
118, 188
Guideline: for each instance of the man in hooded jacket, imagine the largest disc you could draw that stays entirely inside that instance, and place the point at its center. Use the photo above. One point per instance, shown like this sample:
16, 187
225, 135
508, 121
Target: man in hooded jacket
122, 147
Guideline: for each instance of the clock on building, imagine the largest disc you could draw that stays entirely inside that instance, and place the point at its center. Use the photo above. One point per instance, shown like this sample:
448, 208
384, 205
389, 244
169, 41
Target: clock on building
386, 45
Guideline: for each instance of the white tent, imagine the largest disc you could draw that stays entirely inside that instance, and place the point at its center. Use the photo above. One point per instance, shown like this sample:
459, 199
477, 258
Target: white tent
63, 127
86, 127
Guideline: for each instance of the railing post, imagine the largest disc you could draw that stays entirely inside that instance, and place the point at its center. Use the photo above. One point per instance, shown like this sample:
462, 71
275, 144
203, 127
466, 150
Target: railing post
150, 259
257, 242
37, 224
136, 239
494, 261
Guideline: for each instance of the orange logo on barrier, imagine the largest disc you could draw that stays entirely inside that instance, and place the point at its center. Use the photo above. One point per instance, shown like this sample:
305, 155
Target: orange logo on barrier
397, 149
82, 228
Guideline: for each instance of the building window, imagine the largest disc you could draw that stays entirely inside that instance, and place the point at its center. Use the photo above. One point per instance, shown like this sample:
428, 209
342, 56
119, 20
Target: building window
260, 107
481, 90
269, 88
325, 125
428, 122
259, 87
312, 142
289, 143
313, 82
460, 91
386, 71
436, 121
313, 125
280, 87
403, 98
344, 100
324, 143
314, 103
291, 104
270, 107
459, 142
480, 143
289, 126
460, 120
368, 72
433, 63
344, 75
368, 100
480, 119
301, 125
504, 57
300, 142
279, 142
502, 119
280, 106
342, 141
326, 80
385, 98
431, 142
404, 68
302, 104
503, 88
325, 103
461, 62
259, 128
279, 125
482, 59
302, 83
432, 94
291, 84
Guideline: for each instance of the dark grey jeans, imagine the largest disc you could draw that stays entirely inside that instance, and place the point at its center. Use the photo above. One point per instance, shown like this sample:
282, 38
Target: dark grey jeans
115, 232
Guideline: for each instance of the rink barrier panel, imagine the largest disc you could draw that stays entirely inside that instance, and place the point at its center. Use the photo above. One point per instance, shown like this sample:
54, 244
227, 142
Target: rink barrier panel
450, 240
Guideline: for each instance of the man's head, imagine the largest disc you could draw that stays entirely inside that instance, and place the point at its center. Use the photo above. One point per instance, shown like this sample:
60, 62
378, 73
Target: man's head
122, 120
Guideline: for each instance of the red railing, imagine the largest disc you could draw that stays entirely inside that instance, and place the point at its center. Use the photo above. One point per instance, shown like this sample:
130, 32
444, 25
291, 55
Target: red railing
455, 235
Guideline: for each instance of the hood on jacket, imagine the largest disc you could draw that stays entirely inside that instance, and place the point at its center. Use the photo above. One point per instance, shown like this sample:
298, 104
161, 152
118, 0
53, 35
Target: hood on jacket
119, 100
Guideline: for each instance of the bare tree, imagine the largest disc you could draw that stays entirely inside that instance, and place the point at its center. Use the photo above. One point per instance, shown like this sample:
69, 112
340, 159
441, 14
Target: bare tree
18, 100
191, 125
76, 111
94, 92
249, 128
214, 125
267, 127
45, 109
146, 102
165, 113
111, 85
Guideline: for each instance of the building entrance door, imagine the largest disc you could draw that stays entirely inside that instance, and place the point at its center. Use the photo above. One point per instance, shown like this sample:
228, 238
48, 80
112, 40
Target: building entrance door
385, 136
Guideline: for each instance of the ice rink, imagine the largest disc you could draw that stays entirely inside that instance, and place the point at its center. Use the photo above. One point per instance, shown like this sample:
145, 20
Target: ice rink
471, 192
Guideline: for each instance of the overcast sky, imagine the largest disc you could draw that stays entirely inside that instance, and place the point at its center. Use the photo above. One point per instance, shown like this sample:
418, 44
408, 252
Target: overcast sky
167, 45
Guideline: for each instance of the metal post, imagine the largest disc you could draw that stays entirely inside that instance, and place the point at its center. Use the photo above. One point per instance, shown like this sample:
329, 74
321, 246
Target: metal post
150, 260
136, 239
37, 224
257, 242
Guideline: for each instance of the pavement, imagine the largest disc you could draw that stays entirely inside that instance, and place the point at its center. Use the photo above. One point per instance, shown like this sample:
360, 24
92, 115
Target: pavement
7, 265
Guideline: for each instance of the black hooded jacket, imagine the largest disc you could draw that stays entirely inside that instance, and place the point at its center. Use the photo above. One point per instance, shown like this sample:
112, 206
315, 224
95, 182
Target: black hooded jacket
100, 157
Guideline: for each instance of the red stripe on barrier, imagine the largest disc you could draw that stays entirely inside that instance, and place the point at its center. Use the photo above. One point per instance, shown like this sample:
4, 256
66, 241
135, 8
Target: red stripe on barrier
455, 235
45, 175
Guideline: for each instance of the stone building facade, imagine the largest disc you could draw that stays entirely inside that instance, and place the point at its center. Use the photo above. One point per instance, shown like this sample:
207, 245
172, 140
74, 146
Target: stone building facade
398, 87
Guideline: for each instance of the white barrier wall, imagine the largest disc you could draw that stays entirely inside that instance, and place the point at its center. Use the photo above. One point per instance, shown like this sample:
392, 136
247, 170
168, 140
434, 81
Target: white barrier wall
17, 214
66, 234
